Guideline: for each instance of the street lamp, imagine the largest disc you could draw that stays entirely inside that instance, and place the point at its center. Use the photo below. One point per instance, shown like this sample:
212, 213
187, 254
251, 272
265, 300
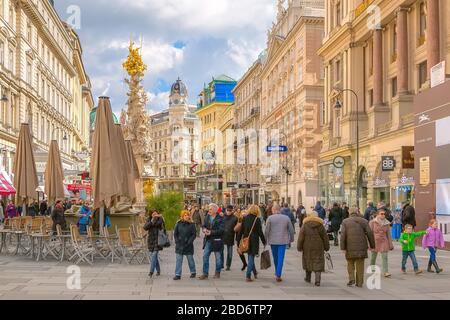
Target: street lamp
286, 170
338, 106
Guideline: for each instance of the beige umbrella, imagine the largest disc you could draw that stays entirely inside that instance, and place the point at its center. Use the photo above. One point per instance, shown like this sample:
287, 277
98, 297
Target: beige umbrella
133, 170
104, 164
54, 175
124, 170
25, 176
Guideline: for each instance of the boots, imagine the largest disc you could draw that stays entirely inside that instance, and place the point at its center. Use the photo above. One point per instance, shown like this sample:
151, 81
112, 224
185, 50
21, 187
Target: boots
308, 277
318, 278
438, 270
430, 263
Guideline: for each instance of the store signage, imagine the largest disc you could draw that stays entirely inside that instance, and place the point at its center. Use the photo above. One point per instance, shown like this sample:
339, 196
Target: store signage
406, 180
244, 186
407, 157
424, 171
380, 182
438, 74
231, 184
339, 162
388, 163
277, 149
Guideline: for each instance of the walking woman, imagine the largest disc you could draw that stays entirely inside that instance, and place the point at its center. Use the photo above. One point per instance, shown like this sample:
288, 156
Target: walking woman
153, 225
184, 236
240, 216
252, 228
381, 228
313, 242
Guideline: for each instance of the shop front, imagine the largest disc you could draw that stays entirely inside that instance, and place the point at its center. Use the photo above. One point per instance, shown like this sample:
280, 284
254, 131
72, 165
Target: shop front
333, 185
404, 190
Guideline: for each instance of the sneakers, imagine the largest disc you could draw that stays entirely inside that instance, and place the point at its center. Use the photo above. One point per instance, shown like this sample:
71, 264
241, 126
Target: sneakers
177, 278
203, 277
351, 283
193, 276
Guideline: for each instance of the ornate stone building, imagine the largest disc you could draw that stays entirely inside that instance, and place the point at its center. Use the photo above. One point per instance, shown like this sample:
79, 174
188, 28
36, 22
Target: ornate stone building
383, 51
43, 82
175, 144
291, 99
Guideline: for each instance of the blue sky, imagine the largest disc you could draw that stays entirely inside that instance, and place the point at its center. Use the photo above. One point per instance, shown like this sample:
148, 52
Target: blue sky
192, 39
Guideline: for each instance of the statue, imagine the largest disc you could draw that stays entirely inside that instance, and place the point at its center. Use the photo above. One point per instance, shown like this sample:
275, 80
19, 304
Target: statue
281, 9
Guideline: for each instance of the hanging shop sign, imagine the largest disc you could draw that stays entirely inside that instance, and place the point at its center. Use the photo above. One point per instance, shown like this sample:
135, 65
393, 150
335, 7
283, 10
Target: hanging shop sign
339, 162
408, 157
388, 163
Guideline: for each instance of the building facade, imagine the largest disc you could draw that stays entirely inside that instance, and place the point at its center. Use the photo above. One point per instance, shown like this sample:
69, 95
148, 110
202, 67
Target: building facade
227, 167
247, 172
291, 99
43, 82
175, 144
382, 51
213, 100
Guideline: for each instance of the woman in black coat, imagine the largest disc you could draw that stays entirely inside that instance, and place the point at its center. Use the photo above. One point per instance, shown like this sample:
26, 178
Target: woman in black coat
335, 219
251, 220
184, 235
153, 226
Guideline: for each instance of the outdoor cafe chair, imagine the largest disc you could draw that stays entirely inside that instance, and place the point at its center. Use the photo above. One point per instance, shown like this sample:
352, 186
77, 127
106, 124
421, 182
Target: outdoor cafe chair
111, 242
82, 248
98, 243
130, 249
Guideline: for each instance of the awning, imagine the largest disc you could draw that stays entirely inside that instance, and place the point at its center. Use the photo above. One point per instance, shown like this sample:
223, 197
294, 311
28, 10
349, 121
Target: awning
6, 186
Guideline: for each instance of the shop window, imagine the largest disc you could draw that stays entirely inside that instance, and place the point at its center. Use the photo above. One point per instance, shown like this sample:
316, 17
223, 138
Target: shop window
423, 72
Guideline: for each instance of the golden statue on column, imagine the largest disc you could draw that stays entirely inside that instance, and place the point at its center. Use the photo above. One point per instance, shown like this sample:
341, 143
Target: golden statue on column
136, 121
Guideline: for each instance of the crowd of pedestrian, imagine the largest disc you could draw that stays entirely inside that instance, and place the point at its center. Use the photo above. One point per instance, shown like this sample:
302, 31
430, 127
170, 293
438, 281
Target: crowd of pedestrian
230, 230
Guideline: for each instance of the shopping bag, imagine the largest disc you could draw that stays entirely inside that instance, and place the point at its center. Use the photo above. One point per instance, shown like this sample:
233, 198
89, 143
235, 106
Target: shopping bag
328, 261
265, 260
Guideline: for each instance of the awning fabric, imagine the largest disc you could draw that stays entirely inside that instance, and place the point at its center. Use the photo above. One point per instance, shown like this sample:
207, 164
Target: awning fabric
6, 186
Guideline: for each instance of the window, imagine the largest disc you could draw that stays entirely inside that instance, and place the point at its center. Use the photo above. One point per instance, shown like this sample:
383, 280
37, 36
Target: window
11, 60
370, 58
394, 87
394, 43
300, 117
42, 129
338, 71
422, 23
29, 32
300, 73
11, 16
322, 113
28, 73
2, 53
337, 126
338, 14
423, 73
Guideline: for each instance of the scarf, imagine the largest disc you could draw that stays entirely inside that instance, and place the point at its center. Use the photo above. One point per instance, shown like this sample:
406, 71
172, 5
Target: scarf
382, 222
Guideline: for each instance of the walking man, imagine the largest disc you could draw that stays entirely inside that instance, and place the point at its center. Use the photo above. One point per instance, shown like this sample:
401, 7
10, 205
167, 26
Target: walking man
279, 234
355, 234
213, 229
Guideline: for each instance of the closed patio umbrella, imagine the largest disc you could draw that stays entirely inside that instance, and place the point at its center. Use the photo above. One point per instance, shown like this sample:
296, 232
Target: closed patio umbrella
124, 171
133, 174
105, 161
25, 176
54, 175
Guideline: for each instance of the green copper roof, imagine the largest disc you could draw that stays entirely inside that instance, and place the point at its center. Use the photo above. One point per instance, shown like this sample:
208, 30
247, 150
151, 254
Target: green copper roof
93, 115
224, 78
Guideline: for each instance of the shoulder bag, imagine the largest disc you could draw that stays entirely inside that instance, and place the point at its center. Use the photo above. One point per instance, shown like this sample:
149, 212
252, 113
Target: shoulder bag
163, 239
244, 245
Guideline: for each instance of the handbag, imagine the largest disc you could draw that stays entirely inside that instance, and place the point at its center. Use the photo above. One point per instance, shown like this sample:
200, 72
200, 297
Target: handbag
265, 260
244, 245
163, 238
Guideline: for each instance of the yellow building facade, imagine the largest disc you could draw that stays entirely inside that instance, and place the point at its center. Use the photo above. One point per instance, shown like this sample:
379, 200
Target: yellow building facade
381, 50
43, 82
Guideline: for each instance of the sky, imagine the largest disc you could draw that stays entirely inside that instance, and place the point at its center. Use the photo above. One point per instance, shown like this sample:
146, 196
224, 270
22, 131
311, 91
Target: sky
191, 39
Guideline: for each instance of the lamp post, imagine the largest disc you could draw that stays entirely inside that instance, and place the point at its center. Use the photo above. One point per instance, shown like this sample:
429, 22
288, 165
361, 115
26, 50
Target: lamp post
286, 170
338, 106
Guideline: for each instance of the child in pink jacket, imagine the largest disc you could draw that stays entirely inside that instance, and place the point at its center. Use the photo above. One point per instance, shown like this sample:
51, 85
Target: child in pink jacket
432, 241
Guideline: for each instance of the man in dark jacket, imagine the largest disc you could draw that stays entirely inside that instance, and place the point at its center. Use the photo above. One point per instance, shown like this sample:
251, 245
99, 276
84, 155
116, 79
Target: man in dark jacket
288, 212
43, 208
58, 216
408, 215
300, 214
320, 210
345, 211
184, 236
213, 229
229, 235
355, 236
335, 218
370, 211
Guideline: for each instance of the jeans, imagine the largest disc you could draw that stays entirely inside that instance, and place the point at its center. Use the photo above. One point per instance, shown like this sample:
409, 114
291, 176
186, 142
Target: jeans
278, 252
432, 254
179, 264
396, 231
229, 255
154, 262
250, 266
83, 229
206, 254
384, 258
412, 255
336, 237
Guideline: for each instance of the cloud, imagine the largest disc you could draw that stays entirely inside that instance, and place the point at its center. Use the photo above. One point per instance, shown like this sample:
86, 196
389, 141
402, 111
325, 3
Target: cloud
243, 53
158, 101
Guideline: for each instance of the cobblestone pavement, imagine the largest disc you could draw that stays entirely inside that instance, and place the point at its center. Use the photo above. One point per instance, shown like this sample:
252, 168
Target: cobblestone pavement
22, 278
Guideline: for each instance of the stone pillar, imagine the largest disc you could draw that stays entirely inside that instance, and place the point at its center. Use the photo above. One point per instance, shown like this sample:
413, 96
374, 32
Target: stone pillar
378, 67
433, 34
402, 52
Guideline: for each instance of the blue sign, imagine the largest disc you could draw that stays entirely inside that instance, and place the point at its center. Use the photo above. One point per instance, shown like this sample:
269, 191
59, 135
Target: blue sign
277, 149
